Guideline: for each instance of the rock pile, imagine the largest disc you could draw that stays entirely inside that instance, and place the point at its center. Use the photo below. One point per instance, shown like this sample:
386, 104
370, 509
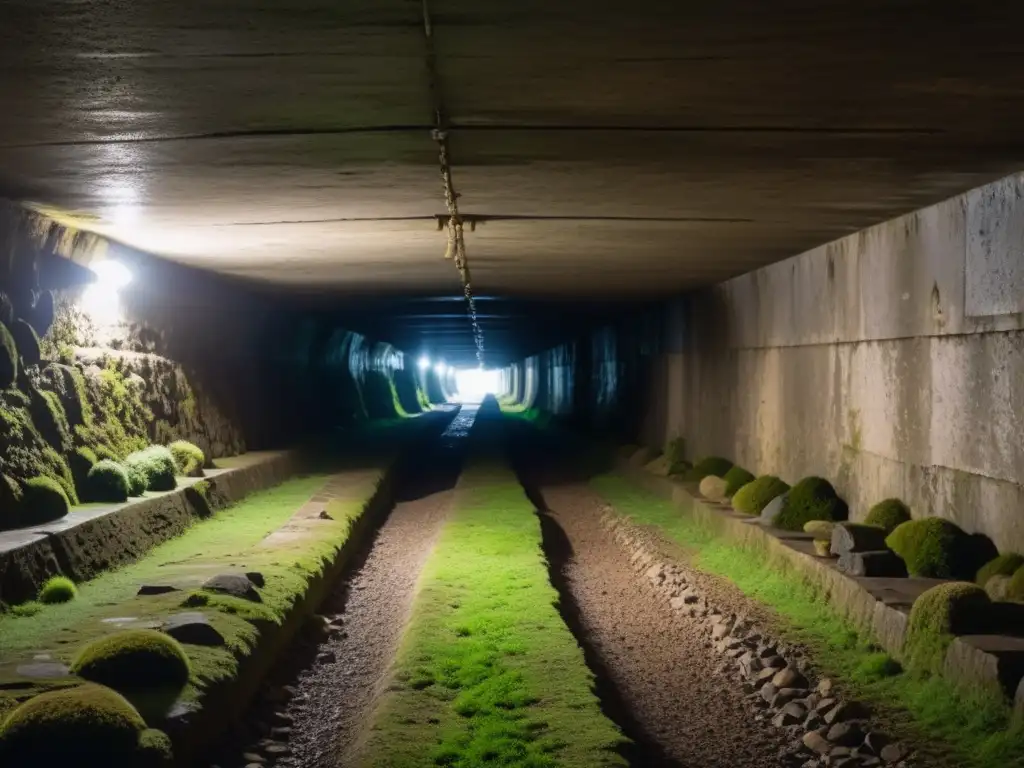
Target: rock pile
827, 730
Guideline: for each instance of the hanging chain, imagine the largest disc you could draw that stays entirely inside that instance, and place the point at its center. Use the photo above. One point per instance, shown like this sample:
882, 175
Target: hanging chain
456, 237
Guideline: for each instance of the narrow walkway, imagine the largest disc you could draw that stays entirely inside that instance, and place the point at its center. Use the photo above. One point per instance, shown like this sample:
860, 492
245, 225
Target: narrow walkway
343, 671
657, 676
677, 705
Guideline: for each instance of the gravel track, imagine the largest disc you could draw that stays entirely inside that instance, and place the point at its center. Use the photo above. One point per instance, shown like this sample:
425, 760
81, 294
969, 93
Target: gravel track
318, 704
660, 681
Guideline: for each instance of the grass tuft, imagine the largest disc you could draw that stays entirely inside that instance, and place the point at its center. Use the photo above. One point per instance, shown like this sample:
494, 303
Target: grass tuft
58, 589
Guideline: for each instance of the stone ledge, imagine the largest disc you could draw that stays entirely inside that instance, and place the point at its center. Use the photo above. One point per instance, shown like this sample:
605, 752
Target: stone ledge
97, 537
880, 606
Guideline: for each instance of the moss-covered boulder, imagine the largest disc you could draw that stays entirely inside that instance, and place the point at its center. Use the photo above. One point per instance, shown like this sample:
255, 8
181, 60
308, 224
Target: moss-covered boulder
44, 500
713, 487
88, 725
813, 498
49, 418
58, 589
888, 514
735, 479
138, 479
148, 667
189, 458
1003, 565
752, 498
157, 463
710, 465
8, 358
11, 497
933, 548
27, 342
108, 482
81, 460
937, 616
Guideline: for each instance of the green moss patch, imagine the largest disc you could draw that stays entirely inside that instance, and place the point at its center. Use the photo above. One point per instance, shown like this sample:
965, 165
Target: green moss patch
157, 464
937, 616
144, 665
88, 725
189, 459
59, 589
752, 498
888, 514
1004, 565
933, 548
735, 479
44, 501
108, 482
488, 674
711, 465
813, 498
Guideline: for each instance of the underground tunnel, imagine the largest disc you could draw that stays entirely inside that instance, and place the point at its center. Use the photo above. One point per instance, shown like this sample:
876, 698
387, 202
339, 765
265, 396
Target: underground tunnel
433, 383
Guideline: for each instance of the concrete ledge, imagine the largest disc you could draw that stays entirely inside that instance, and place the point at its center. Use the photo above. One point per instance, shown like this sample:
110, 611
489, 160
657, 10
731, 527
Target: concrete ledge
97, 537
877, 606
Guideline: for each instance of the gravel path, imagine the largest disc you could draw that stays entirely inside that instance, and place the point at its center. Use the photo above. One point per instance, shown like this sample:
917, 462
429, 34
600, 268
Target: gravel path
317, 703
660, 680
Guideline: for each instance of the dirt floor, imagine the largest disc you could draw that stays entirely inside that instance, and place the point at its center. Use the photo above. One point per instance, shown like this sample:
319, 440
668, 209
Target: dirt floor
660, 681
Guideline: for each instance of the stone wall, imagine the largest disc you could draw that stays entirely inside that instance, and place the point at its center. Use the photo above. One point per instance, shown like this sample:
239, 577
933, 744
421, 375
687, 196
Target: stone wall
890, 361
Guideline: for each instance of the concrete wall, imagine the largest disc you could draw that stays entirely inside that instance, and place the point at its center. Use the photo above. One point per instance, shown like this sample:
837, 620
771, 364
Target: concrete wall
891, 362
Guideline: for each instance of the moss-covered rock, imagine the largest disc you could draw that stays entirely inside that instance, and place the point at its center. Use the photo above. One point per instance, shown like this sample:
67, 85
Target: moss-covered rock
108, 482
43, 502
138, 479
735, 479
710, 465
813, 498
8, 358
932, 548
89, 725
189, 459
937, 616
888, 514
68, 384
27, 342
157, 463
753, 497
155, 750
1003, 565
81, 460
49, 418
58, 589
148, 667
11, 497
712, 487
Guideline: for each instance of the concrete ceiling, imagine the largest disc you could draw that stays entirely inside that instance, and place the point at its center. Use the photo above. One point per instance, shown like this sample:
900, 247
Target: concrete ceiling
623, 150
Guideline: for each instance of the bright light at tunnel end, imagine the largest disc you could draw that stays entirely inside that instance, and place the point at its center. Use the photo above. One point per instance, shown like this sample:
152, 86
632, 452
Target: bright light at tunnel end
472, 385
423, 362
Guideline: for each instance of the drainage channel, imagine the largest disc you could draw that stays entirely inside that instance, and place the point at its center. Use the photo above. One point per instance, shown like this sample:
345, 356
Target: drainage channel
313, 711
655, 676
